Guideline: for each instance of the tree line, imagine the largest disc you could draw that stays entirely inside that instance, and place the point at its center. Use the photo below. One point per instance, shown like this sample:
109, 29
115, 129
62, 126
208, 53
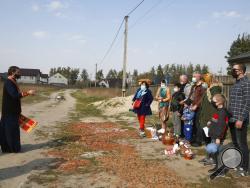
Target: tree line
170, 72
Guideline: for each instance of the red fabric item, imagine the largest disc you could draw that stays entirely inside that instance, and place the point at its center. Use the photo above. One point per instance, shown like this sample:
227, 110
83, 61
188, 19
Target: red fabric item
141, 119
216, 116
137, 103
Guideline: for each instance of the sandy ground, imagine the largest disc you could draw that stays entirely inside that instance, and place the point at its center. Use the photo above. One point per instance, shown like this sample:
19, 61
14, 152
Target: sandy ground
15, 168
119, 105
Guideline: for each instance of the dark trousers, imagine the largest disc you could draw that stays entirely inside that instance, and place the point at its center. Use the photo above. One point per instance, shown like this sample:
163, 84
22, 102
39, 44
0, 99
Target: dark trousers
197, 130
239, 139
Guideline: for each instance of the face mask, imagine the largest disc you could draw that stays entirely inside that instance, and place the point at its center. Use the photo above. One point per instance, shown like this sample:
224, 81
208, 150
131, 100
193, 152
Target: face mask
234, 74
204, 85
176, 89
214, 104
17, 76
143, 87
163, 86
194, 80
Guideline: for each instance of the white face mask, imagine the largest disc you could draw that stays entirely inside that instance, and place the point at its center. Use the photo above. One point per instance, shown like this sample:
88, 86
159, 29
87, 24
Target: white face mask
176, 89
194, 80
143, 87
204, 85
163, 85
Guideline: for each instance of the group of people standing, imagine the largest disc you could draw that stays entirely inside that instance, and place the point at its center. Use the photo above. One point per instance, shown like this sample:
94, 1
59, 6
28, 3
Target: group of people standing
198, 106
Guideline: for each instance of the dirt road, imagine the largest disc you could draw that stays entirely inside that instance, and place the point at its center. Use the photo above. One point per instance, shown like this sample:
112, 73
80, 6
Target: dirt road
15, 168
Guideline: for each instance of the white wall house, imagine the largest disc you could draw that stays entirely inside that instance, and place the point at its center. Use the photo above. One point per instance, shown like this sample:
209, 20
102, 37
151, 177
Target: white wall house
58, 79
44, 79
30, 76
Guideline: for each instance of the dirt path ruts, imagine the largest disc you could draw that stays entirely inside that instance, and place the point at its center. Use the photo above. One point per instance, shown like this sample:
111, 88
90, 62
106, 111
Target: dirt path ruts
15, 168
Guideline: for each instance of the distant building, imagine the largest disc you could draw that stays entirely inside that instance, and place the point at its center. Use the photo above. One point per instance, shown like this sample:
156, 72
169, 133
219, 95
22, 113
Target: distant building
58, 79
3, 76
243, 58
44, 79
29, 76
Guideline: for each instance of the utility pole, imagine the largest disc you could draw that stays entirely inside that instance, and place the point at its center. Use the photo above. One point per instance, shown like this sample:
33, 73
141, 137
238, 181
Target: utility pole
95, 73
125, 57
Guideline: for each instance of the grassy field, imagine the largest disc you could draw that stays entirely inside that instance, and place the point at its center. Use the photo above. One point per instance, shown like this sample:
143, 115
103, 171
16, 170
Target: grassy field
42, 92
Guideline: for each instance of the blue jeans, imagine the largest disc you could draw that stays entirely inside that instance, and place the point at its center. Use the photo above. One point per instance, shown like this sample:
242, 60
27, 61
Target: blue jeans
188, 129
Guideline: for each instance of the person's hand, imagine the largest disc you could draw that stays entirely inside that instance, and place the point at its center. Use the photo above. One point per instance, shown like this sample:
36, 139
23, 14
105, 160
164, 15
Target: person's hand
217, 141
178, 114
181, 102
194, 107
183, 119
238, 124
209, 123
31, 92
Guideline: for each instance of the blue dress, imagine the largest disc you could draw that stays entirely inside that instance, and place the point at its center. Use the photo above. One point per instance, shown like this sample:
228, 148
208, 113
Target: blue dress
147, 98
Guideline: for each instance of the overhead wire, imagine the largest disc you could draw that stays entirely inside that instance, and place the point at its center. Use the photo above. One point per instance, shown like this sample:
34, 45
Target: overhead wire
148, 11
117, 33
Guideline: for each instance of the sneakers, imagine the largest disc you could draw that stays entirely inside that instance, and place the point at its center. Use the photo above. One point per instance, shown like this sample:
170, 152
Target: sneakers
142, 133
212, 170
209, 162
203, 160
241, 172
161, 131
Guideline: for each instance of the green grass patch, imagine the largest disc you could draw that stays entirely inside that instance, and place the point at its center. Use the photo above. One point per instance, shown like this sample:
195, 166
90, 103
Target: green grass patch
84, 106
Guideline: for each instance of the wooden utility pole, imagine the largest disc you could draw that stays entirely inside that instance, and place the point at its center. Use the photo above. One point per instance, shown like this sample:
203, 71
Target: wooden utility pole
125, 57
95, 73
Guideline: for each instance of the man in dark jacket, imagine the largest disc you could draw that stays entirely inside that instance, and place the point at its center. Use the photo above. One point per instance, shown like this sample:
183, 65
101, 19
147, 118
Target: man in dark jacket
239, 104
11, 110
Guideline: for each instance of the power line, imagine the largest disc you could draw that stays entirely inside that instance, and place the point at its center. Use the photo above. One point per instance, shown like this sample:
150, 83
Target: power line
117, 33
148, 11
112, 43
135, 8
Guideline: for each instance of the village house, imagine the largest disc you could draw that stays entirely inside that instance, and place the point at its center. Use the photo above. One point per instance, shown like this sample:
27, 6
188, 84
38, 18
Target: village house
58, 79
30, 76
44, 79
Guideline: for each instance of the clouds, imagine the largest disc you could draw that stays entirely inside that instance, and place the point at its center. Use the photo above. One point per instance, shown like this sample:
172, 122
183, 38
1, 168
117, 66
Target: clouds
40, 34
55, 7
226, 14
35, 8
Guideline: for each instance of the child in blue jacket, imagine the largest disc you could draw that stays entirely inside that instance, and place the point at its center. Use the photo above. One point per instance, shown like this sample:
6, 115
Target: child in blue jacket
188, 118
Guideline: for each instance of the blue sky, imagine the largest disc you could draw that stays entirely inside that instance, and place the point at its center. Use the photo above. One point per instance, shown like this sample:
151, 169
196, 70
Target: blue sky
50, 33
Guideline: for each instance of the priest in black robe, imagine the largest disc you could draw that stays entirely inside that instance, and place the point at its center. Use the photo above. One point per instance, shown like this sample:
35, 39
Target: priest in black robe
11, 110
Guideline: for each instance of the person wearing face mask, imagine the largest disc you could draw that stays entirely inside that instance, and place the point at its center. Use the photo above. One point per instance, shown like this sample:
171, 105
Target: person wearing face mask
141, 105
185, 89
163, 96
217, 128
239, 104
177, 109
206, 108
196, 95
11, 110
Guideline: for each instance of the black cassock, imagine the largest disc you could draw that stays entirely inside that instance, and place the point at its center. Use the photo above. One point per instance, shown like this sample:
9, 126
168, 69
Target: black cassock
11, 110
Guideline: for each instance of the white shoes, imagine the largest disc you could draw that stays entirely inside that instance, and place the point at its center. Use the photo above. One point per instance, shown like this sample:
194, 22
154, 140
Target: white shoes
161, 131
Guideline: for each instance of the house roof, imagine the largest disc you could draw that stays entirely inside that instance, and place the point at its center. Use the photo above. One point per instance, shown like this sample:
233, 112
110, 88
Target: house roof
4, 75
244, 58
44, 76
30, 72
